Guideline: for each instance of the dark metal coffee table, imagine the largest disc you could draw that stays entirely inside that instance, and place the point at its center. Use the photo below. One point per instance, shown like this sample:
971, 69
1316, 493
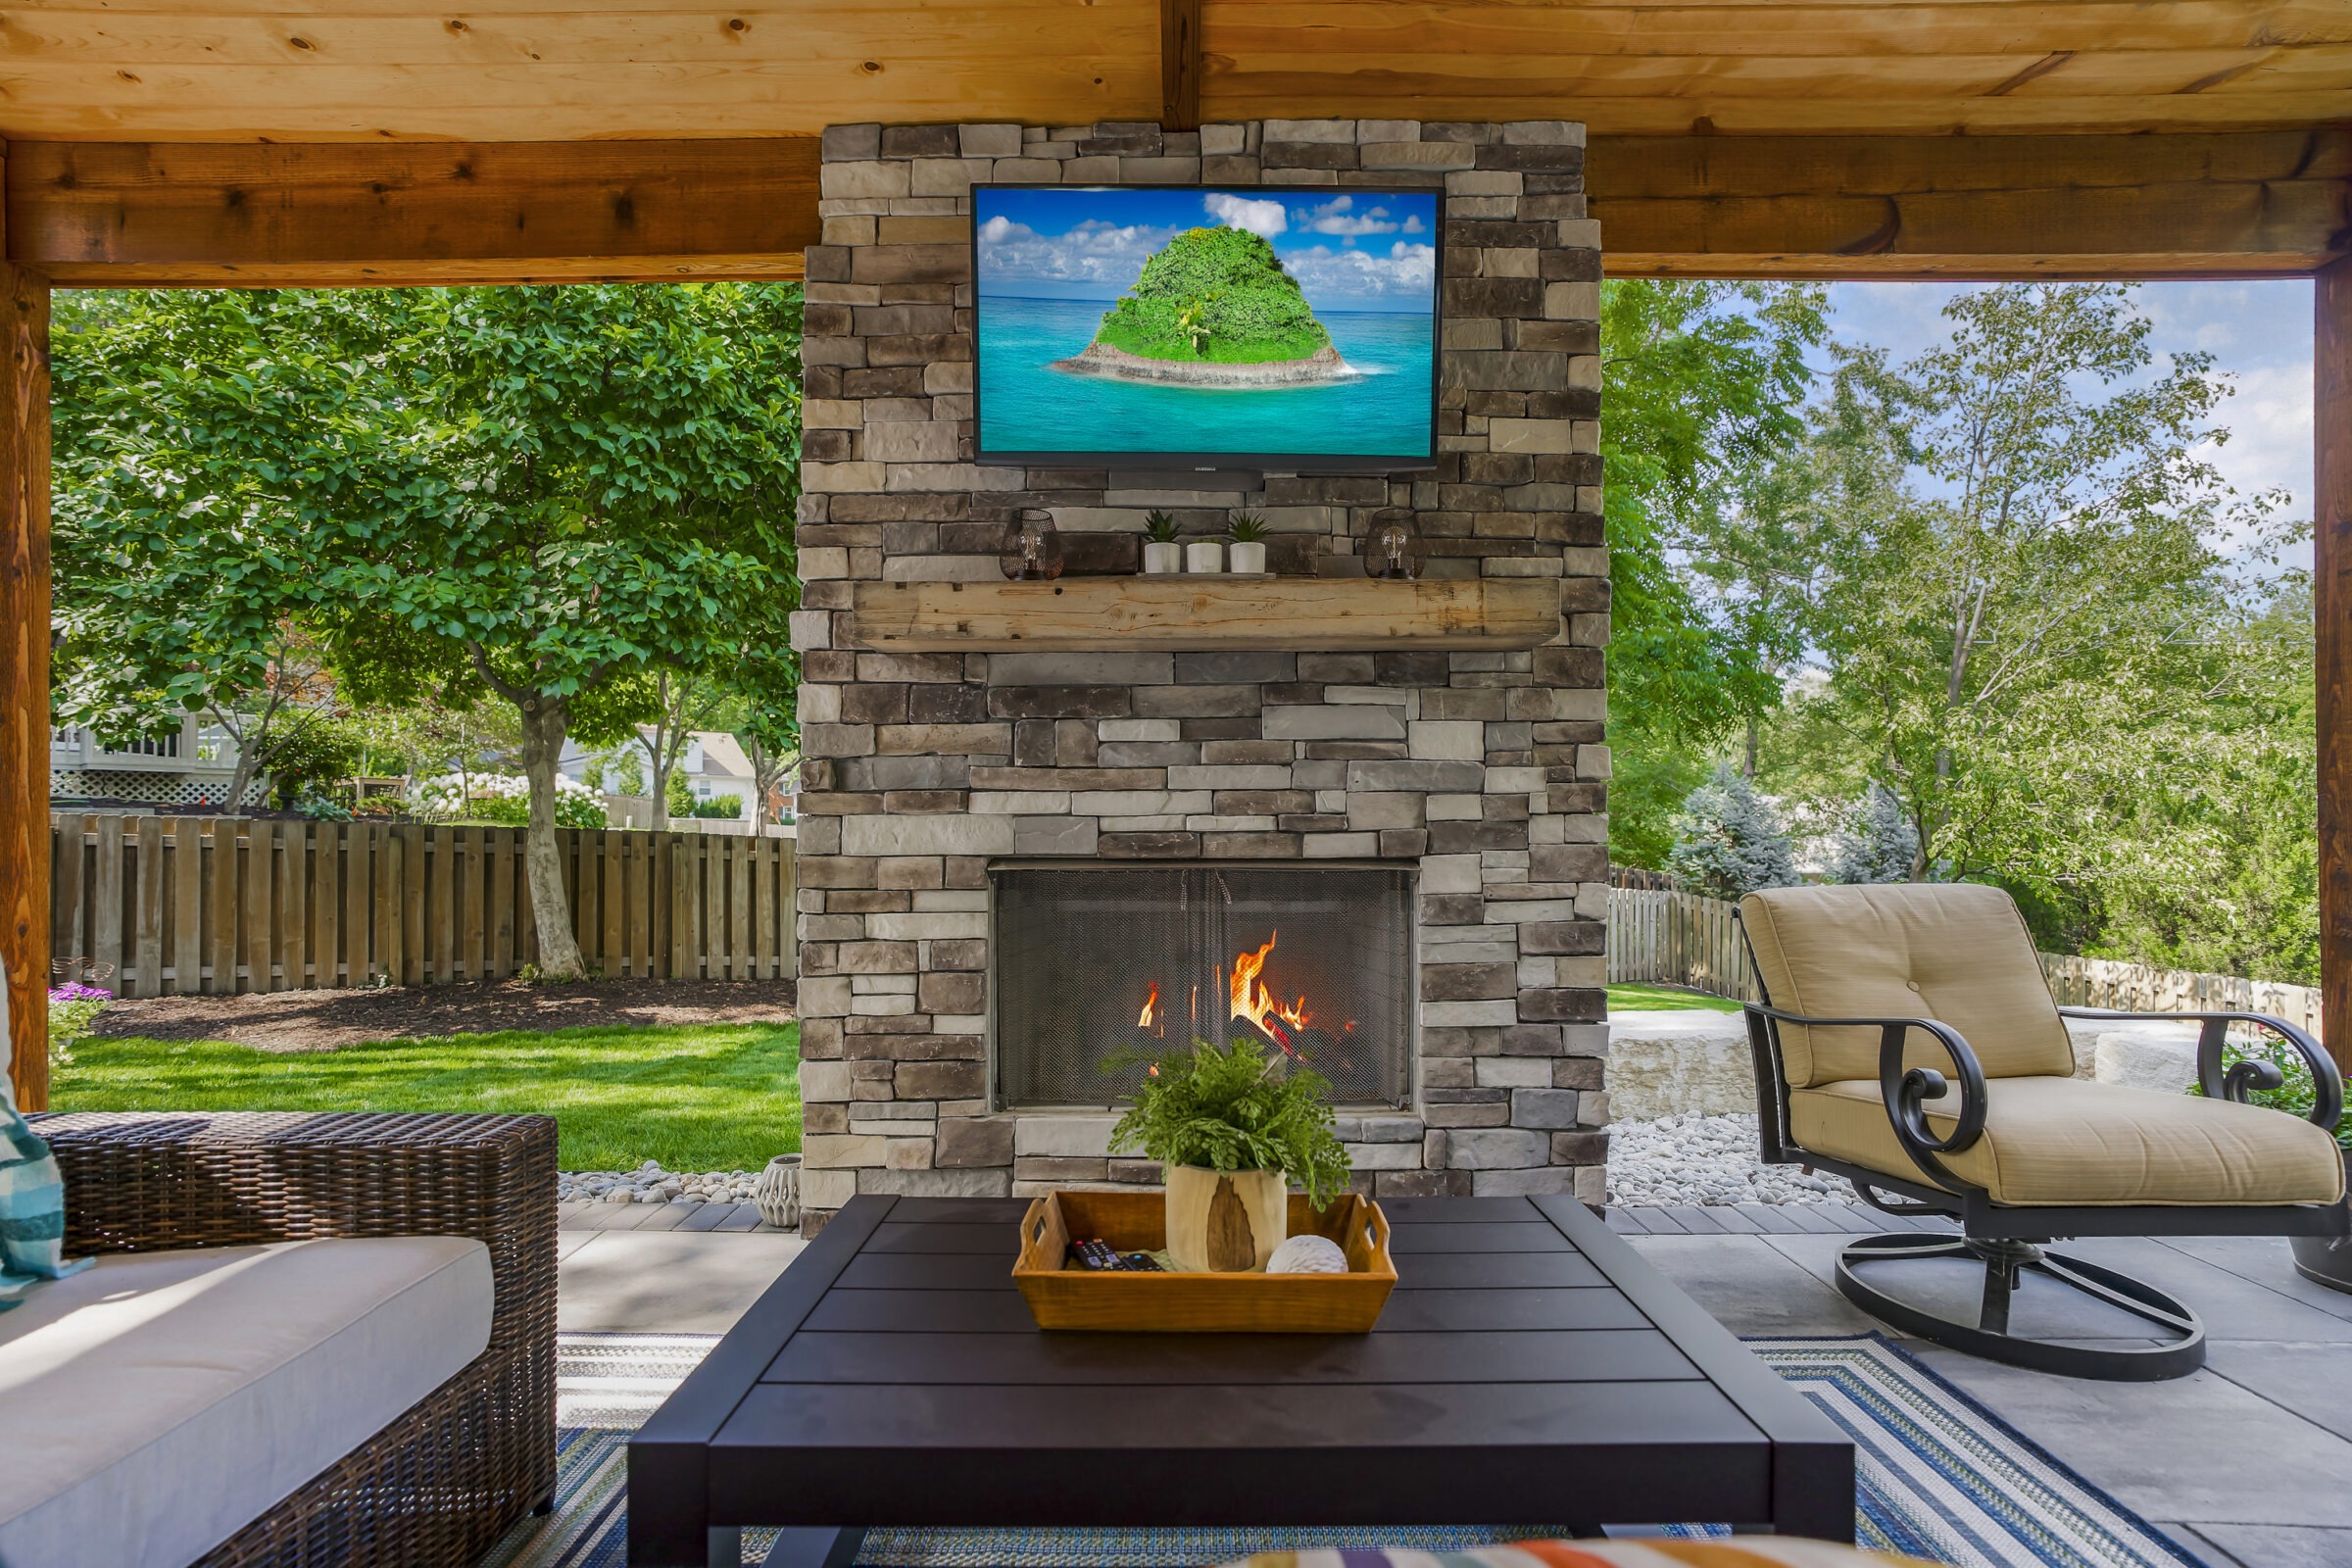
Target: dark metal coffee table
1530, 1369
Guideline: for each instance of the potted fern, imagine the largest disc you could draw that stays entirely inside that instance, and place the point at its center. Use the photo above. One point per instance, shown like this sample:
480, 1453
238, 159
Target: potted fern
1162, 553
1247, 555
1228, 1127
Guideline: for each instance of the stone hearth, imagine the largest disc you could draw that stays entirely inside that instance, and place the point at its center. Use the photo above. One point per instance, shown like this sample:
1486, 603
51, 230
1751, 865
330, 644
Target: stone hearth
1484, 772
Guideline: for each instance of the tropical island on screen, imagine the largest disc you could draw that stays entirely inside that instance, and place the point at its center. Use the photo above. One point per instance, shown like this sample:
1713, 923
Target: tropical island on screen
1214, 306
1205, 321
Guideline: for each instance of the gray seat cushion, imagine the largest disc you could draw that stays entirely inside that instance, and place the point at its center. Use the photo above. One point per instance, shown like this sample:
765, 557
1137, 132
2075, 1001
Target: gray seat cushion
155, 1404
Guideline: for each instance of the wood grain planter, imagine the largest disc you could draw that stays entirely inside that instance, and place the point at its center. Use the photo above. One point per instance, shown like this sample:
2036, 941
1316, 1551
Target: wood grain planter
1225, 1222
2326, 1259
1297, 615
1064, 1298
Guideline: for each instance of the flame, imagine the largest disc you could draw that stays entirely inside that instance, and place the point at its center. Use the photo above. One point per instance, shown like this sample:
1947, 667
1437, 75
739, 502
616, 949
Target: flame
1251, 999
1150, 1007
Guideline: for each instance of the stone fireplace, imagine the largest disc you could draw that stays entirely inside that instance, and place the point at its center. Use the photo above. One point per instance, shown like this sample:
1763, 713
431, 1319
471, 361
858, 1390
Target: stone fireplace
1003, 851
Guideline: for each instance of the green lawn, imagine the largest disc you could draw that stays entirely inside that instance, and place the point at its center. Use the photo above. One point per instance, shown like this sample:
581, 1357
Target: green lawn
1665, 999
722, 1097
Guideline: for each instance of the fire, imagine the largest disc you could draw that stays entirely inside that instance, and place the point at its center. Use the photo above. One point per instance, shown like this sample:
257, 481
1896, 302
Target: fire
1150, 1007
1251, 999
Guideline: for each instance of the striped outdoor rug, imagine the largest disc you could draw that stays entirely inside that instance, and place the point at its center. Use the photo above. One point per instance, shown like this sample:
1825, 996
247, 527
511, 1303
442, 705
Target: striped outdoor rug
1940, 1477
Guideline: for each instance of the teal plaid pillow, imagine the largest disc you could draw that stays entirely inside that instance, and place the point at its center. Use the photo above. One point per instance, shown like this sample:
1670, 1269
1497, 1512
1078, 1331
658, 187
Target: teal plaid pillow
33, 1199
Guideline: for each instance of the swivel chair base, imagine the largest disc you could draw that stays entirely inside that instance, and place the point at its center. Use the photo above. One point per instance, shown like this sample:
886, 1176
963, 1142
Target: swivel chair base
2005, 1263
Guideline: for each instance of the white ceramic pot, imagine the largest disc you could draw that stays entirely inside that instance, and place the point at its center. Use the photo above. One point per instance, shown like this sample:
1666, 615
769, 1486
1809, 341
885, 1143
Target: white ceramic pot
1249, 559
1160, 559
1204, 555
1225, 1222
778, 1191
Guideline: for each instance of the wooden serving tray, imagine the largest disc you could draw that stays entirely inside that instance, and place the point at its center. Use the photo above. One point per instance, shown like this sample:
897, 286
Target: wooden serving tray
1065, 1297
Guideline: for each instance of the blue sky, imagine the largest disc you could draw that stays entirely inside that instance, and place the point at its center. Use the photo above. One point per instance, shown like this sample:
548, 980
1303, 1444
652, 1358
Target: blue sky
1366, 250
2260, 335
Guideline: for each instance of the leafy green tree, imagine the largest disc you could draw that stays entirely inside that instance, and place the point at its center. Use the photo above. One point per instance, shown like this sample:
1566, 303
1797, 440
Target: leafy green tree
2018, 635
543, 494
1703, 382
1729, 841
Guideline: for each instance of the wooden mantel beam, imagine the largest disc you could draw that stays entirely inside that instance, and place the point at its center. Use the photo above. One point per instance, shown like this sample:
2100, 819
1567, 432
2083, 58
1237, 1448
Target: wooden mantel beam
2271, 204
129, 213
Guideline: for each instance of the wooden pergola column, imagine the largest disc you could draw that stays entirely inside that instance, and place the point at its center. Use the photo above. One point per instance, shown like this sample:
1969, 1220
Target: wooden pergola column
2332, 567
24, 677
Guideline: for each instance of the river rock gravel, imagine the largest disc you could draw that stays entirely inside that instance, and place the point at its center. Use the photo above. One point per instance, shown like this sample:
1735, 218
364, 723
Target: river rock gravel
649, 1183
1706, 1160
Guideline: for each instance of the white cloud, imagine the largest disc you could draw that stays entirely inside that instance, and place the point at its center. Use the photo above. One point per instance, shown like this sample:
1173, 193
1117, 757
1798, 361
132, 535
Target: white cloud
1406, 273
1093, 253
1414, 224
1262, 218
1339, 216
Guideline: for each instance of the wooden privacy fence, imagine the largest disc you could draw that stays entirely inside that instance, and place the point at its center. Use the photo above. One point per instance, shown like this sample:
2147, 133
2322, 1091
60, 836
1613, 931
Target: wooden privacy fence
173, 905
1678, 939
1683, 939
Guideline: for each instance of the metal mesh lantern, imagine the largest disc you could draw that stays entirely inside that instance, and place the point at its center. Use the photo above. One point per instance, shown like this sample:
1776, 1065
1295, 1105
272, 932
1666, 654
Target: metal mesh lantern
1032, 548
1393, 544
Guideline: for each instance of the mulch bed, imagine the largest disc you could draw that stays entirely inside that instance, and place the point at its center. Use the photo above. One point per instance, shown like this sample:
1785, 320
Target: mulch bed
321, 1021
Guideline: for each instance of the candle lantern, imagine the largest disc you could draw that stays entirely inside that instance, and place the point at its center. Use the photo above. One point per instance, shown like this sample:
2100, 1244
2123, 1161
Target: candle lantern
1032, 548
1393, 546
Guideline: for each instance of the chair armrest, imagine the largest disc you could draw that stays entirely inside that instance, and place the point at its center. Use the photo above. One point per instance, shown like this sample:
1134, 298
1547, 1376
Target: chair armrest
2328, 1084
1905, 1089
140, 1181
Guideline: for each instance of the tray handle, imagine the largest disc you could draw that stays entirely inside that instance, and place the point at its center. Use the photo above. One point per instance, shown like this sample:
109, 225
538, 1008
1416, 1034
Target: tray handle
1367, 1230
1044, 1237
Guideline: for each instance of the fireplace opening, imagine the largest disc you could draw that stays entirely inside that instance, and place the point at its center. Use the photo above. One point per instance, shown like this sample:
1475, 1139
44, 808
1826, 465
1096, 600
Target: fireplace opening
1090, 962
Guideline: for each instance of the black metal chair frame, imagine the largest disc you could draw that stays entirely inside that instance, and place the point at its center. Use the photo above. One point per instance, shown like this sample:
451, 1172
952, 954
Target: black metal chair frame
2012, 1240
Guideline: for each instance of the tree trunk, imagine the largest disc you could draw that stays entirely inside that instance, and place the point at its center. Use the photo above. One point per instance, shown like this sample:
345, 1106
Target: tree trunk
542, 724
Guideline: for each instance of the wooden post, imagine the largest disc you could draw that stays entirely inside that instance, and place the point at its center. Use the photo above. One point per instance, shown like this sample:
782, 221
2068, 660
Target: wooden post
24, 677
1180, 65
2332, 565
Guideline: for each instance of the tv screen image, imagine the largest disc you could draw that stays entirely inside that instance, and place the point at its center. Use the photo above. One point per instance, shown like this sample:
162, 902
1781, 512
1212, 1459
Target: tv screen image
1286, 328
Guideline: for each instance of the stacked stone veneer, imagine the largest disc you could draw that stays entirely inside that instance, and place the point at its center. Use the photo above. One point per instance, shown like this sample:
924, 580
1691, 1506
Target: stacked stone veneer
1485, 769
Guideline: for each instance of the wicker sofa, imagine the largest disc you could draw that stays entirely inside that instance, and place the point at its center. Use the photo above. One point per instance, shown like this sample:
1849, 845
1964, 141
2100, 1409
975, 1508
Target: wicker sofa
438, 1482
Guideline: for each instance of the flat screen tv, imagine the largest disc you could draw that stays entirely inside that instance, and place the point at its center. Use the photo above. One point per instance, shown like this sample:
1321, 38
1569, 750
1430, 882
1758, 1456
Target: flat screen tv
1284, 330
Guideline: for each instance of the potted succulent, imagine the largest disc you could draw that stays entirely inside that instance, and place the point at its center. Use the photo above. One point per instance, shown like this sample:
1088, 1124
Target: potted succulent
1228, 1127
1162, 553
1247, 531
1204, 555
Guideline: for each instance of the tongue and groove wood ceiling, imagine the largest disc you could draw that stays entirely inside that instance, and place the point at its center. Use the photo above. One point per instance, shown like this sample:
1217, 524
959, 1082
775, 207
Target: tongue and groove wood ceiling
562, 70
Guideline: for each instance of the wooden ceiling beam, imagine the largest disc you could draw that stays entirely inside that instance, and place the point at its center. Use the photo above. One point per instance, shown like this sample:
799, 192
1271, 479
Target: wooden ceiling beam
138, 214
126, 214
2265, 204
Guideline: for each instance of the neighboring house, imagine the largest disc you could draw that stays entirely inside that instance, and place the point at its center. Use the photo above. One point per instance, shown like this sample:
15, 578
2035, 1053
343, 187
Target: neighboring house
192, 768
713, 764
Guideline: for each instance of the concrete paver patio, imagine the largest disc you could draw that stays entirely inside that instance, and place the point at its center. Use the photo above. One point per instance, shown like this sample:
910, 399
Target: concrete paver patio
2245, 1463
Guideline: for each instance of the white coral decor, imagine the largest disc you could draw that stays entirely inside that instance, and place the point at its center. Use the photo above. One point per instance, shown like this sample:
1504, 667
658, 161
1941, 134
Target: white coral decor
1307, 1254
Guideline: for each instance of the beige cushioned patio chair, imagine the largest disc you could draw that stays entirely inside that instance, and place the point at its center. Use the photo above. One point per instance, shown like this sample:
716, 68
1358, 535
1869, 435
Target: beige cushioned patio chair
1908, 1042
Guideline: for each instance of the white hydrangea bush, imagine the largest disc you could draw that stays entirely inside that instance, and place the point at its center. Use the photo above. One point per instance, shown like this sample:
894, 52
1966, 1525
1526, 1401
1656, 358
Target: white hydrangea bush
504, 798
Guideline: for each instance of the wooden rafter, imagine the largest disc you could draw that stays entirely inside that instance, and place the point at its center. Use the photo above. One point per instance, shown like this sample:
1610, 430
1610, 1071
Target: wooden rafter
2248, 205
1180, 65
208, 213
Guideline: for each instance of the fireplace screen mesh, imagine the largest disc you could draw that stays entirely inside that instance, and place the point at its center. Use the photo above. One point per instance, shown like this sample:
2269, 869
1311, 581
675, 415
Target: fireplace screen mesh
1091, 962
